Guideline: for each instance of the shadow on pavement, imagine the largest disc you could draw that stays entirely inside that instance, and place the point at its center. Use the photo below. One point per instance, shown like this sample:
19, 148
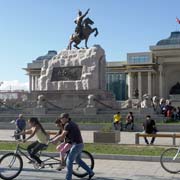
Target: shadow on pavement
38, 170
99, 178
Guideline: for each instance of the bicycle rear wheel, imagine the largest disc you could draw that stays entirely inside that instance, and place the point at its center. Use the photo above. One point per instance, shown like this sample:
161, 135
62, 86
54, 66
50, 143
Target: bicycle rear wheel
170, 160
88, 159
10, 166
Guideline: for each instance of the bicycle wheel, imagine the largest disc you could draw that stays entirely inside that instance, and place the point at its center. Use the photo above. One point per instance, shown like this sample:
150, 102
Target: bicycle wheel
10, 166
88, 159
170, 160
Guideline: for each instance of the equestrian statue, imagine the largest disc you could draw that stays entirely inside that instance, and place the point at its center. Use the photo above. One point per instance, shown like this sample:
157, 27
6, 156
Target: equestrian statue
82, 31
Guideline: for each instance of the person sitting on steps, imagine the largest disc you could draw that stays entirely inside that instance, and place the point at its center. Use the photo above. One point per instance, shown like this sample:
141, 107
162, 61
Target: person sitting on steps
130, 121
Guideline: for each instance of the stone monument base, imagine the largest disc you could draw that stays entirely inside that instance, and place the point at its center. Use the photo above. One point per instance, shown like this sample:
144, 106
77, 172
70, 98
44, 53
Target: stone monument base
90, 110
39, 111
74, 81
74, 101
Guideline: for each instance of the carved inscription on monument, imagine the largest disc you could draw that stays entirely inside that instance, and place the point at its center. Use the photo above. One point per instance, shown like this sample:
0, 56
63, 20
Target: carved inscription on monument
66, 73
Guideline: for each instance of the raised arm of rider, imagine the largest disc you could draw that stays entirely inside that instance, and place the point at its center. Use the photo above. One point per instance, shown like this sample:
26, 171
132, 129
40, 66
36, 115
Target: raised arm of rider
85, 13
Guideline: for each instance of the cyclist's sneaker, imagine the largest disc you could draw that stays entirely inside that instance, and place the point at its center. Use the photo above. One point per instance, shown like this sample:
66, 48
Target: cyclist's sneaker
41, 165
91, 175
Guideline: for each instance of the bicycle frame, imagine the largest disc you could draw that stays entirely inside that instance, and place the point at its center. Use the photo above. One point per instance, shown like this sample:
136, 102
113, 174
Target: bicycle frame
15, 161
176, 153
19, 150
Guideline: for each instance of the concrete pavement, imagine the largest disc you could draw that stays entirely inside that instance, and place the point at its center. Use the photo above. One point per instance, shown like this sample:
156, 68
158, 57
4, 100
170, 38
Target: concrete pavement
106, 170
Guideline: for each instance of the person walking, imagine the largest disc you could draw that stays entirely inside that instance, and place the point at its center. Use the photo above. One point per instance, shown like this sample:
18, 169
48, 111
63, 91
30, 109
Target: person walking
149, 127
20, 127
72, 132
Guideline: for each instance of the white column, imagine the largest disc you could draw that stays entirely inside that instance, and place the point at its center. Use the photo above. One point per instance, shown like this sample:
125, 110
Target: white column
36, 83
108, 81
160, 80
30, 83
140, 85
154, 88
130, 85
149, 84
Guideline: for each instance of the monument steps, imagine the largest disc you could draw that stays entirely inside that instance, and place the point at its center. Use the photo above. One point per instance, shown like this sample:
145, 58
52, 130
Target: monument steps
101, 116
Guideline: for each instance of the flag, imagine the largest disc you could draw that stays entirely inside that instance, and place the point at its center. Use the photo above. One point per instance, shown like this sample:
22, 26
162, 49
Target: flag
177, 20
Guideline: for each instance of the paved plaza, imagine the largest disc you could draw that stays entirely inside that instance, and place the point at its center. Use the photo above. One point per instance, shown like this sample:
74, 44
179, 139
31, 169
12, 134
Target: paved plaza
104, 169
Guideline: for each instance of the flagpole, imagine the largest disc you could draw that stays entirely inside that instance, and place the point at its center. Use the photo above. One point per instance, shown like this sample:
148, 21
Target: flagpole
176, 27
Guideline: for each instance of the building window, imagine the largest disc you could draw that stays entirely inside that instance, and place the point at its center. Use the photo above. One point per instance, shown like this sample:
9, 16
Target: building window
116, 84
138, 59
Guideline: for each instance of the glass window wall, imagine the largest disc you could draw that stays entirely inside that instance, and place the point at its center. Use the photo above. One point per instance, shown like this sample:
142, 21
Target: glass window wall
116, 84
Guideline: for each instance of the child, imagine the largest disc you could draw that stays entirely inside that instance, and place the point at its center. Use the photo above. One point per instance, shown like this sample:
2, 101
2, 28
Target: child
42, 139
63, 147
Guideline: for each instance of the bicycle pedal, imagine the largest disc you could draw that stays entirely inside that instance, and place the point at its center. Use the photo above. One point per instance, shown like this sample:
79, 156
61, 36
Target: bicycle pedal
51, 166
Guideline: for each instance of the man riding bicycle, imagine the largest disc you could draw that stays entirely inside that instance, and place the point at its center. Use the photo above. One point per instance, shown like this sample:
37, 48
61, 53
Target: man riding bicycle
72, 132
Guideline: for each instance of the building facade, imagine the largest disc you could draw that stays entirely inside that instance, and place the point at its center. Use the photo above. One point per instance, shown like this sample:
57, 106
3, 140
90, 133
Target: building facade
156, 73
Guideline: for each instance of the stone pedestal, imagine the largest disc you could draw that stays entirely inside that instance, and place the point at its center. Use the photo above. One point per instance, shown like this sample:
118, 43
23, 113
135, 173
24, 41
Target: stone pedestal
107, 137
71, 81
82, 69
39, 111
90, 111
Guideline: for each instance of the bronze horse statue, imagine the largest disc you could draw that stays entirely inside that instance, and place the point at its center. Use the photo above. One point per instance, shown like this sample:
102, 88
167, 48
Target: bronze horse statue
86, 32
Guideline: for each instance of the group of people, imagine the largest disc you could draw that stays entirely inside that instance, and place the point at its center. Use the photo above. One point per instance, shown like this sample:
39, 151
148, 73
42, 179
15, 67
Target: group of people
149, 125
118, 124
68, 138
170, 111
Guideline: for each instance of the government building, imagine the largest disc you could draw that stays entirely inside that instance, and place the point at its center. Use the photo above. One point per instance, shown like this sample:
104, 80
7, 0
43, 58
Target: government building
156, 73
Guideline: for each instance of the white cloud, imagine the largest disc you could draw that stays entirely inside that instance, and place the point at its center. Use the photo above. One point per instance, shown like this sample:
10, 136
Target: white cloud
14, 85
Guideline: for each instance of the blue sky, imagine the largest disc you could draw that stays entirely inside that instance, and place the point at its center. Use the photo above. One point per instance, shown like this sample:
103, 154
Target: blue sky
29, 28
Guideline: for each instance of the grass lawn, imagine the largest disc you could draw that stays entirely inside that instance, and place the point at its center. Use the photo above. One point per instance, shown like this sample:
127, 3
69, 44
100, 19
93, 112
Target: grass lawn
102, 149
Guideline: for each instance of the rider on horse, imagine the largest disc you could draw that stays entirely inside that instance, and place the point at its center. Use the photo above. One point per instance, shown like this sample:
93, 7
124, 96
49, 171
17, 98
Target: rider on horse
83, 30
78, 21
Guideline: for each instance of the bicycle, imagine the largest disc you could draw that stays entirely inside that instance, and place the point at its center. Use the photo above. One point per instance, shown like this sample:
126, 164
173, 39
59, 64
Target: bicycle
170, 160
11, 164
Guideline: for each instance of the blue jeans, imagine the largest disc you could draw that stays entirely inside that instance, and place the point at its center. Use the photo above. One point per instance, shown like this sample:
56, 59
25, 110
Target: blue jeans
75, 154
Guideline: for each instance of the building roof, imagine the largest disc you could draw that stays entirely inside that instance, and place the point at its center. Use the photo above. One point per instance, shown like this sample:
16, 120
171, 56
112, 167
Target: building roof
48, 56
174, 39
115, 63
